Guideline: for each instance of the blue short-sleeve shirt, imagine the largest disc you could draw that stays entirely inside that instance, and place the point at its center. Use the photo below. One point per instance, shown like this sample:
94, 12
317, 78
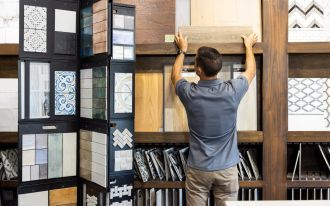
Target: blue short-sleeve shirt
211, 108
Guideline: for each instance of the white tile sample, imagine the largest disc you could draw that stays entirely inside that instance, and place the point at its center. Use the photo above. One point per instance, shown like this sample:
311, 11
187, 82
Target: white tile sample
123, 160
9, 21
121, 139
65, 21
26, 173
123, 93
35, 199
8, 105
123, 37
118, 52
35, 172
129, 53
118, 21
125, 190
122, 203
29, 141
182, 14
28, 157
326, 103
69, 154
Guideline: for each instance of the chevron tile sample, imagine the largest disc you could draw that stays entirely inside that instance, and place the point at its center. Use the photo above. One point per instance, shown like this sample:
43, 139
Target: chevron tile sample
35, 29
307, 104
93, 97
8, 105
93, 157
35, 198
121, 139
39, 90
65, 93
123, 93
65, 196
309, 20
9, 22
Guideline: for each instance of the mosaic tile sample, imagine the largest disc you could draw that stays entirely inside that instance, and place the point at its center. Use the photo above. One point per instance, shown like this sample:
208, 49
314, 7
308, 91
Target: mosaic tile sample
39, 90
9, 21
10, 163
100, 27
123, 93
65, 21
65, 93
65, 196
121, 191
93, 196
86, 32
8, 105
93, 88
121, 139
327, 103
307, 104
309, 20
35, 29
93, 157
46, 156
123, 160
41, 198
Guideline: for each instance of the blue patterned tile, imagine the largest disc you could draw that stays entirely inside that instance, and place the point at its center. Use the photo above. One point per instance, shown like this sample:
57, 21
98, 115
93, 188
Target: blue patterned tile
65, 93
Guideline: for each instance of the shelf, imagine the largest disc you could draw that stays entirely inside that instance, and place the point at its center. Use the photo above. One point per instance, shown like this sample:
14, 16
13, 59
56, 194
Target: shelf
9, 184
181, 184
308, 47
183, 137
8, 49
170, 48
8, 137
302, 183
309, 136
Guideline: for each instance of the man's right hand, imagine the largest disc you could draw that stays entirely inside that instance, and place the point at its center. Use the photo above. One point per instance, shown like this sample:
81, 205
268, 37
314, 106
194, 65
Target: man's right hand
250, 41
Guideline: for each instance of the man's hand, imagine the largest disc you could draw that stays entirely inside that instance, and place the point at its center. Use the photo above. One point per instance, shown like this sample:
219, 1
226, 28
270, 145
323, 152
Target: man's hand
250, 41
181, 42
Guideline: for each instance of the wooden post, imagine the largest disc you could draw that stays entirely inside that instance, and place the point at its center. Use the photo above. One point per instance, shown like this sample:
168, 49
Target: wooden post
275, 98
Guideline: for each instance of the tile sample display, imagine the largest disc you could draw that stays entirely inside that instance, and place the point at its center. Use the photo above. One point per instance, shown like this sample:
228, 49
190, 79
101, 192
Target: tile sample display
39, 90
65, 93
10, 163
35, 198
46, 156
8, 105
123, 93
9, 19
93, 87
93, 157
123, 160
234, 13
65, 196
309, 20
148, 102
307, 104
100, 27
86, 31
35, 29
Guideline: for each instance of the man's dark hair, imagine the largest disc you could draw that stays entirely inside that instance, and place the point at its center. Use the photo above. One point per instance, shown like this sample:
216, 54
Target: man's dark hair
209, 60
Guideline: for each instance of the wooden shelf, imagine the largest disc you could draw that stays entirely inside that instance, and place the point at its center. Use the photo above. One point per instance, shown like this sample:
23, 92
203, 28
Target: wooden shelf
302, 183
170, 48
183, 137
8, 137
308, 136
8, 49
308, 47
181, 184
8, 184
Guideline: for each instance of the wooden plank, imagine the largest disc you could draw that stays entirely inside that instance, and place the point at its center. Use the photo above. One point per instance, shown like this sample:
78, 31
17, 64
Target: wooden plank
227, 13
309, 65
170, 48
10, 184
8, 137
308, 136
154, 19
181, 184
8, 66
9, 49
311, 184
183, 137
309, 47
215, 34
275, 98
149, 102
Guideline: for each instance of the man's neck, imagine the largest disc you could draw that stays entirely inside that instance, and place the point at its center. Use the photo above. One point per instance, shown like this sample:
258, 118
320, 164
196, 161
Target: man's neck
204, 78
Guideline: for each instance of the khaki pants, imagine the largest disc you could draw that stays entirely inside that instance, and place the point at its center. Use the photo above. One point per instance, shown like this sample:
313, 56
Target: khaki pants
224, 184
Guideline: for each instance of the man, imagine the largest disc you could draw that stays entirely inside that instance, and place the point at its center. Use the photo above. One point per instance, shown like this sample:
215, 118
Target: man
211, 107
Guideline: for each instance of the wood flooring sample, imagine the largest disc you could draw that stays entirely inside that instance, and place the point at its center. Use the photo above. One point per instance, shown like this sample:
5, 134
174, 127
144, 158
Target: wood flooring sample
227, 13
148, 102
154, 19
60, 197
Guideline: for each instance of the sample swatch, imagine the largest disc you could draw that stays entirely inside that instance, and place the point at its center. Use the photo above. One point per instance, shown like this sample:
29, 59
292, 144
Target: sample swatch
8, 105
100, 27
123, 160
123, 93
65, 93
86, 32
9, 21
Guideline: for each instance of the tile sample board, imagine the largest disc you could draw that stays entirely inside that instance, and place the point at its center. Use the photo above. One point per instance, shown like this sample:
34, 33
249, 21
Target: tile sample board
65, 93
234, 13
46, 156
308, 104
123, 93
93, 157
154, 19
55, 197
9, 22
93, 93
148, 102
309, 20
8, 105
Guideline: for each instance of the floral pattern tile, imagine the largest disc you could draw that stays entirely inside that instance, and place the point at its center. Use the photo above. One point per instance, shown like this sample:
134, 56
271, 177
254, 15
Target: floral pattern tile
65, 93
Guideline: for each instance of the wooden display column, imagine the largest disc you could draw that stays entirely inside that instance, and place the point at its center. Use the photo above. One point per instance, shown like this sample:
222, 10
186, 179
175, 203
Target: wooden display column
275, 100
